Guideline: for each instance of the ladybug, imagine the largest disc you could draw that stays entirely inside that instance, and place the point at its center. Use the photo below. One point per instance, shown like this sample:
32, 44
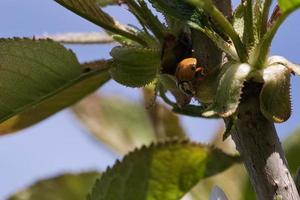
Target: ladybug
187, 73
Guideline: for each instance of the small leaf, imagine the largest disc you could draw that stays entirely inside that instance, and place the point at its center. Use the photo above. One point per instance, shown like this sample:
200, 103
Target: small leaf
63, 187
275, 100
134, 67
161, 171
294, 68
32, 71
229, 89
288, 5
75, 90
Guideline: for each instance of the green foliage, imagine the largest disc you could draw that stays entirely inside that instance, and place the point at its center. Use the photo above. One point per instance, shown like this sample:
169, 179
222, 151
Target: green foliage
76, 89
32, 71
288, 5
161, 171
229, 91
275, 100
134, 66
63, 187
103, 3
180, 10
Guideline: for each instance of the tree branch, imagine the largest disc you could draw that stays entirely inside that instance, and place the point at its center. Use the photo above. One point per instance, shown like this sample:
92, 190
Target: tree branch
257, 141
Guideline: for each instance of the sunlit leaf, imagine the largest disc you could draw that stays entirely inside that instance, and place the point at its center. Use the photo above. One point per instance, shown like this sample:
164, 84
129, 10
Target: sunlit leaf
135, 67
288, 5
229, 89
161, 171
63, 187
238, 20
119, 124
275, 100
68, 95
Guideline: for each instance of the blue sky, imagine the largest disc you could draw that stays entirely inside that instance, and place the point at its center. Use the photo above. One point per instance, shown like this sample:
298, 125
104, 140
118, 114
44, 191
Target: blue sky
60, 144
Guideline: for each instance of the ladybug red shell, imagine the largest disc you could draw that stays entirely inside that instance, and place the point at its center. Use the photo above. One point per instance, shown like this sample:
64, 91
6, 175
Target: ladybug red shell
187, 72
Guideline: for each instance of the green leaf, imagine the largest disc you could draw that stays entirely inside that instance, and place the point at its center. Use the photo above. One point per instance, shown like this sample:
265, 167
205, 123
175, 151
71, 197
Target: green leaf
134, 67
162, 171
229, 89
288, 5
103, 3
32, 71
73, 91
180, 10
90, 10
275, 100
63, 187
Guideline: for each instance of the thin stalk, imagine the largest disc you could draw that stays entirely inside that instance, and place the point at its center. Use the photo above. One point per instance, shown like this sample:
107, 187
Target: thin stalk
265, 16
263, 48
225, 26
248, 23
218, 40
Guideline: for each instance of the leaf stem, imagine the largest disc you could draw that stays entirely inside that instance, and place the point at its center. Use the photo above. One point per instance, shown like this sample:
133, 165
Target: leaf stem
224, 24
248, 23
264, 18
218, 40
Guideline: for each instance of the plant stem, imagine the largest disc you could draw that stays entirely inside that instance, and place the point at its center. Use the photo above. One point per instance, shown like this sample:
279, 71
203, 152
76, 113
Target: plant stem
248, 23
264, 18
257, 141
229, 30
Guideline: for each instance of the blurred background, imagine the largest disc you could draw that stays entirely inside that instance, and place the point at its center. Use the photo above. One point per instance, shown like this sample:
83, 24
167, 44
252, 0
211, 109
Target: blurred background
60, 144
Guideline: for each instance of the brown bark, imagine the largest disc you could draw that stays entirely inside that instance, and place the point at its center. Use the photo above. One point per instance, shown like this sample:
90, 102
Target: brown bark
257, 141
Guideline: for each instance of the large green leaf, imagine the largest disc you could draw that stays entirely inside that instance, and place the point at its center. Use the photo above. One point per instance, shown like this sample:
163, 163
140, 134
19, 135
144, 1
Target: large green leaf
31, 72
75, 90
162, 171
275, 97
288, 5
63, 187
133, 66
119, 124
229, 89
